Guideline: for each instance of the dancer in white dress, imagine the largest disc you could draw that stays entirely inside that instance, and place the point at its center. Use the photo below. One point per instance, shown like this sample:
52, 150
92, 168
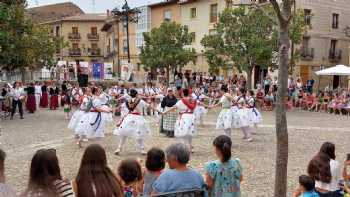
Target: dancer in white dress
200, 110
79, 122
100, 114
225, 118
185, 126
133, 124
241, 119
255, 115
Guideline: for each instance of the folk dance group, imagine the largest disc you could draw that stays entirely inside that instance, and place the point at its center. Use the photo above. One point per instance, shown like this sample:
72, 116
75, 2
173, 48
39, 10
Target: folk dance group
179, 117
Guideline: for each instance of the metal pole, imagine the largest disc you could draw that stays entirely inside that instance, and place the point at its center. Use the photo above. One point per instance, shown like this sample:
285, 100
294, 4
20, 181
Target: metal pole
127, 34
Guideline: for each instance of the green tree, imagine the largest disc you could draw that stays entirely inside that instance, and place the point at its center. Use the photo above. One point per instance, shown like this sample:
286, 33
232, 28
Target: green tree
22, 43
167, 48
244, 37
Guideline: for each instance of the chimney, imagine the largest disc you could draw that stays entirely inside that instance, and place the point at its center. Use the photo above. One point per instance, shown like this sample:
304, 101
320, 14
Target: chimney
107, 13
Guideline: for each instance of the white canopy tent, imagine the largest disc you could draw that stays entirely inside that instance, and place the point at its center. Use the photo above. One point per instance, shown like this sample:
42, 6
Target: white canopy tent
335, 70
338, 70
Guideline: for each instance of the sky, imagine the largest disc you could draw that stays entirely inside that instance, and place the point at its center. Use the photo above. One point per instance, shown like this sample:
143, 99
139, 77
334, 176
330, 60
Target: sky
87, 5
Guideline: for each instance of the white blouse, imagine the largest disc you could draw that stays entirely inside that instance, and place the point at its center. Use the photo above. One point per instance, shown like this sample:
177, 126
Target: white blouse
335, 172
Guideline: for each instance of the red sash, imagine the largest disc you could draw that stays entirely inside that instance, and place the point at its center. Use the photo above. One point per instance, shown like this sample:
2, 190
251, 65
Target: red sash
190, 104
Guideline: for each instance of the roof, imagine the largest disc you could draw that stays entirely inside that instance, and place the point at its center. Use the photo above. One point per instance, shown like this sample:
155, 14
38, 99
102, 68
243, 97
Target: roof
86, 17
163, 3
53, 12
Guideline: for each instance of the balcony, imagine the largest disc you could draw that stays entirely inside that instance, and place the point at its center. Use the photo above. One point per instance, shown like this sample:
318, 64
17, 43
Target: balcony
74, 36
335, 55
307, 54
74, 52
94, 52
93, 36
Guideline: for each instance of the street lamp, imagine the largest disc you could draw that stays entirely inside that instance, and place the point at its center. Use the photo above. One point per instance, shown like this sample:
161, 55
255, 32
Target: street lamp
126, 16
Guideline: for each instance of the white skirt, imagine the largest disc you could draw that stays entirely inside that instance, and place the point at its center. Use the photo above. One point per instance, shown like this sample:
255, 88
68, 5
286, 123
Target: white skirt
83, 126
124, 110
225, 119
185, 125
98, 123
134, 126
199, 112
255, 116
242, 118
75, 119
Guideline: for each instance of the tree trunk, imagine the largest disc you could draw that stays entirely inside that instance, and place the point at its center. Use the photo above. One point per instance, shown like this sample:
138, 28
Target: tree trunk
167, 75
249, 77
23, 74
281, 119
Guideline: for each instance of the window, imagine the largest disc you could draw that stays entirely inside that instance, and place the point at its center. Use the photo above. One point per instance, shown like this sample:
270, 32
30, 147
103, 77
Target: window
213, 13
193, 34
193, 12
75, 46
333, 46
167, 15
94, 30
75, 30
94, 46
307, 17
57, 31
125, 46
305, 43
335, 21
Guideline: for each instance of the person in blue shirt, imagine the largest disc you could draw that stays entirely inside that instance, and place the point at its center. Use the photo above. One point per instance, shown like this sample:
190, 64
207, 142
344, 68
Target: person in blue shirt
223, 176
179, 177
306, 187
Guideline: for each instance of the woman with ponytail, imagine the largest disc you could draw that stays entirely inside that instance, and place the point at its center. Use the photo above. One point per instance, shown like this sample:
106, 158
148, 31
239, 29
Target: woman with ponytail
223, 176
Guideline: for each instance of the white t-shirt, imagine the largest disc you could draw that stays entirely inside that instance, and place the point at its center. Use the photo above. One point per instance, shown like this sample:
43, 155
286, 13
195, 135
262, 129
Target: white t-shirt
6, 190
335, 172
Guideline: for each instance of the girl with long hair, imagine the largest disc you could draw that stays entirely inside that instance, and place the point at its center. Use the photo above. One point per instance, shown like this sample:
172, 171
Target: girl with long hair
45, 177
95, 178
325, 170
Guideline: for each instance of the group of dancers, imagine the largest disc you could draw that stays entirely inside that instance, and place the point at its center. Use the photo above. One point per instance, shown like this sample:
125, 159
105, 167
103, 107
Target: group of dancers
179, 112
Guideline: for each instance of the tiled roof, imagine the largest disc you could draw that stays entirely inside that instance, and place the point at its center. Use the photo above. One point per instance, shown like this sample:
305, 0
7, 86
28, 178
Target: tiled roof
87, 17
53, 12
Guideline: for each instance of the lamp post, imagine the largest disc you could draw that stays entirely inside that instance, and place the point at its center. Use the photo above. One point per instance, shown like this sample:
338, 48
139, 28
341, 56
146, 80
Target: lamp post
126, 16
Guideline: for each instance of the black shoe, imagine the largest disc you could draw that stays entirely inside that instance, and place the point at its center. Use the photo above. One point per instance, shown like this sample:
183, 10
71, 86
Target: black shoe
22, 117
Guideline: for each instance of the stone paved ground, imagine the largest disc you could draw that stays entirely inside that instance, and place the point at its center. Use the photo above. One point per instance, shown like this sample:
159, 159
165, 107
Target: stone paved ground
307, 131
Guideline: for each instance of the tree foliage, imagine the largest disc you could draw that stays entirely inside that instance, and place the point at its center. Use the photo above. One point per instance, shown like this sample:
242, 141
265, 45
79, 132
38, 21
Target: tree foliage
22, 43
167, 48
245, 37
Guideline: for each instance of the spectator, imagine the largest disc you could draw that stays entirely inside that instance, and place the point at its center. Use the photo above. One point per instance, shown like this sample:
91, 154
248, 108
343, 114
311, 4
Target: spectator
130, 173
95, 178
346, 176
5, 190
155, 163
267, 84
179, 177
325, 170
224, 176
306, 187
45, 177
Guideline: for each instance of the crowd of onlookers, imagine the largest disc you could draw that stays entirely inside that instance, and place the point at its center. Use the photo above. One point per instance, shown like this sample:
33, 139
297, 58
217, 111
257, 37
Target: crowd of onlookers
132, 177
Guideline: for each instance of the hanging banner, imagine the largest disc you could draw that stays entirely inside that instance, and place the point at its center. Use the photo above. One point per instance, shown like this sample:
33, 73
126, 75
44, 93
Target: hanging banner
97, 70
126, 70
108, 71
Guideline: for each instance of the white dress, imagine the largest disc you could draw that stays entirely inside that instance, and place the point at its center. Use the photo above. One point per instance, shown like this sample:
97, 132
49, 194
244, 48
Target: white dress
242, 117
255, 115
98, 120
83, 126
134, 124
185, 123
200, 110
225, 117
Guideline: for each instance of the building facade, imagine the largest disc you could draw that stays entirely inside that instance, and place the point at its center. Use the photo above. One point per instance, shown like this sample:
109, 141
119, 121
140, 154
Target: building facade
82, 36
327, 40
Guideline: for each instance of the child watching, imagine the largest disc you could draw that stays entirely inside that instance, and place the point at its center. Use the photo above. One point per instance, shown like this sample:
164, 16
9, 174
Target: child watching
130, 173
306, 187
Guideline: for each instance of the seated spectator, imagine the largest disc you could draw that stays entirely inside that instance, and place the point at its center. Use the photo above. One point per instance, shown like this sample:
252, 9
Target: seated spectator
179, 177
310, 101
94, 177
346, 176
325, 170
5, 190
326, 100
45, 176
223, 176
155, 163
130, 173
306, 187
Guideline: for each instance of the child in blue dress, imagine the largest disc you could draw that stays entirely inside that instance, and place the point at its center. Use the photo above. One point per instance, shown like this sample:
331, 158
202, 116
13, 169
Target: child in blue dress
223, 176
